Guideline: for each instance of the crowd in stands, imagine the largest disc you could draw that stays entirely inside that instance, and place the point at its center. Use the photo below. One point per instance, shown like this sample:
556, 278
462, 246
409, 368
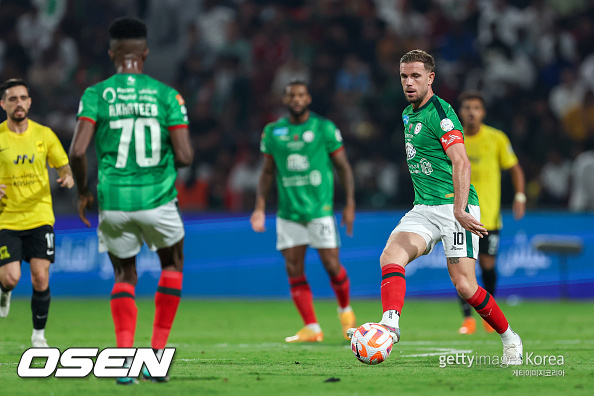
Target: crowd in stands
230, 59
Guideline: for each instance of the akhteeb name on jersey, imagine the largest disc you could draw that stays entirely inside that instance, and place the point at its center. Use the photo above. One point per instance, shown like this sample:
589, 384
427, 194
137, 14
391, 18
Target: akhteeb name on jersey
78, 362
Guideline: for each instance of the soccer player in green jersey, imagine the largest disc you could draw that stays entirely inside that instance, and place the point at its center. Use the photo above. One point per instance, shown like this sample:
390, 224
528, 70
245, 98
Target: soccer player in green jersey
300, 150
141, 136
445, 207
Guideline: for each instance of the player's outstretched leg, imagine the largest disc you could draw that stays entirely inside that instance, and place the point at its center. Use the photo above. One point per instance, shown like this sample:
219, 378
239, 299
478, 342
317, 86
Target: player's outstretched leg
4, 301
40, 303
486, 306
303, 300
341, 285
393, 289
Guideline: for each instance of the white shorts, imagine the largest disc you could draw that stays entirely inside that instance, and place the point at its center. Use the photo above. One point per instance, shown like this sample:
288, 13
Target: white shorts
122, 233
437, 222
320, 233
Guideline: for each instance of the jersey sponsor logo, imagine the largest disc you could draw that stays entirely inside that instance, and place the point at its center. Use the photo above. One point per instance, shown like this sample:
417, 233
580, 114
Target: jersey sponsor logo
4, 253
109, 95
79, 362
127, 96
410, 151
418, 128
315, 178
446, 125
426, 166
405, 119
295, 145
338, 135
308, 136
297, 163
451, 138
23, 158
280, 131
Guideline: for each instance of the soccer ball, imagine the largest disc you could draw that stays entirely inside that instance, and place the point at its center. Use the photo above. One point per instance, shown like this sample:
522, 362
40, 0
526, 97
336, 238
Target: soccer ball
371, 343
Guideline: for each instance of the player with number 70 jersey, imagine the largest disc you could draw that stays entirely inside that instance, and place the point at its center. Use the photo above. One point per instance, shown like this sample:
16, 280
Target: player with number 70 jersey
133, 114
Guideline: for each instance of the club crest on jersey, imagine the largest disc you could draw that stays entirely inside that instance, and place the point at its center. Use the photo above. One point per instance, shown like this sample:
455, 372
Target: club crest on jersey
410, 151
109, 94
308, 136
446, 125
418, 128
405, 119
280, 131
39, 145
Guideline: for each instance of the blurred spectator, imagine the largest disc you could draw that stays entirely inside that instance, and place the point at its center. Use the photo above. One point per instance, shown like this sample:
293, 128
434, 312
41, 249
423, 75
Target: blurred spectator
579, 119
566, 95
555, 179
582, 186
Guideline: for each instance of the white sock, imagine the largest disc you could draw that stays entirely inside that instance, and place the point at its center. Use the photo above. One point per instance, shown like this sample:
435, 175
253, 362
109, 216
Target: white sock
345, 309
391, 318
38, 333
510, 337
315, 327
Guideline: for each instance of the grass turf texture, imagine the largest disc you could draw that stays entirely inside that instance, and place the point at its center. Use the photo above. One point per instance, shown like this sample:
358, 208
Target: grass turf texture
237, 348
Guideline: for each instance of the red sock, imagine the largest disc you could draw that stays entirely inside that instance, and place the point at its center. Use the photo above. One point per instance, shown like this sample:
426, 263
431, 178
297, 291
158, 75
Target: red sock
486, 306
393, 287
303, 299
166, 302
341, 285
123, 312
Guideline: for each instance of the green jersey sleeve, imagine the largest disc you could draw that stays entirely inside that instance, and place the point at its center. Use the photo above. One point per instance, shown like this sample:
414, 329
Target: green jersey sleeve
265, 146
88, 105
332, 137
444, 120
177, 114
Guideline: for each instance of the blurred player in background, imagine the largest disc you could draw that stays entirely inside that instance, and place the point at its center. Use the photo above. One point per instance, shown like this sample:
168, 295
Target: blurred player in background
141, 136
299, 151
26, 212
489, 151
445, 207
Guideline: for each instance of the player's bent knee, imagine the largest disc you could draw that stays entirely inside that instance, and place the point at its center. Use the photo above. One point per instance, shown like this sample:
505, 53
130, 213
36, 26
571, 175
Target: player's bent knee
9, 282
465, 289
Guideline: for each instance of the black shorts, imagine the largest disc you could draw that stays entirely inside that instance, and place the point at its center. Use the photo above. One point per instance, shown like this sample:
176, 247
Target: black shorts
27, 244
489, 244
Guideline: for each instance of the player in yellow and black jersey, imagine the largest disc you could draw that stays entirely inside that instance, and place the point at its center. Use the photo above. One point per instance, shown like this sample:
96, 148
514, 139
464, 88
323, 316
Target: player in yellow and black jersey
26, 213
489, 151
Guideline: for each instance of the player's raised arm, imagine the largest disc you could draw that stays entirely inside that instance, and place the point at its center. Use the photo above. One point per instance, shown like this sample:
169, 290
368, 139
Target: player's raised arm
264, 185
182, 147
83, 134
461, 179
345, 174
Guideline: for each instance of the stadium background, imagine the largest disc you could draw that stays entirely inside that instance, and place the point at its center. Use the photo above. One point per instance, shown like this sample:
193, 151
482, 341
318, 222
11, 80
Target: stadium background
534, 60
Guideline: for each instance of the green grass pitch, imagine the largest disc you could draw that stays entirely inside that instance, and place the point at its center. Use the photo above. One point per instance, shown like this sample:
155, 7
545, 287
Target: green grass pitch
237, 348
